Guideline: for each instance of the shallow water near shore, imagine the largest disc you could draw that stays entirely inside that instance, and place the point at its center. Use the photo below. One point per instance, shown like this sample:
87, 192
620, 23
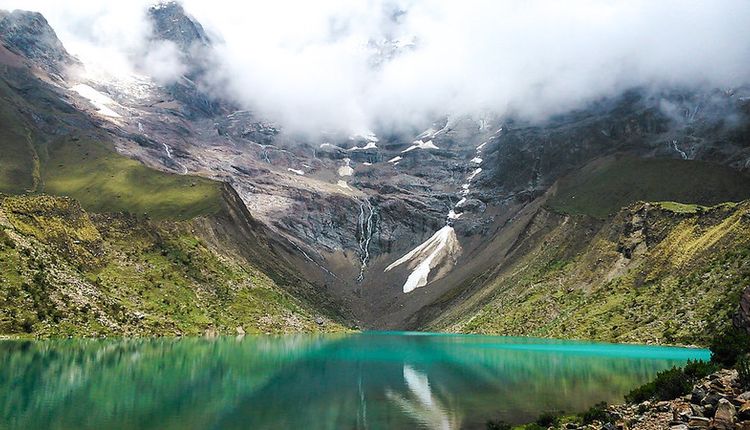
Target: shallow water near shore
350, 381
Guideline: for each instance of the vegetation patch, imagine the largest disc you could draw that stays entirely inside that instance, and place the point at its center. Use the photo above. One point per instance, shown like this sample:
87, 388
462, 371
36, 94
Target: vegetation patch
647, 276
125, 276
672, 383
603, 188
104, 181
19, 160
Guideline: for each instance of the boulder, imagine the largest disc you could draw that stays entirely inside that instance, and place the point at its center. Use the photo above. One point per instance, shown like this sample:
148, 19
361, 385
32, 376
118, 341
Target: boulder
698, 423
698, 411
681, 412
743, 414
711, 399
724, 417
697, 395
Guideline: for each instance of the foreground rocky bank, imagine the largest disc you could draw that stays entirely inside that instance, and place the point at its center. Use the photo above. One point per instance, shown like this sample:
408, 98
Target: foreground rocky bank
718, 401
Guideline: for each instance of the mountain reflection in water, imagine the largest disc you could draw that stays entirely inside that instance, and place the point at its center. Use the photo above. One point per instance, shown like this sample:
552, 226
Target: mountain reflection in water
360, 381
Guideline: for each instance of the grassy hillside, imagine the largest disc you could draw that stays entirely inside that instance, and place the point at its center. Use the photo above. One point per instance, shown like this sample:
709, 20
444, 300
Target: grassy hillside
602, 188
41, 155
66, 272
104, 181
662, 273
19, 165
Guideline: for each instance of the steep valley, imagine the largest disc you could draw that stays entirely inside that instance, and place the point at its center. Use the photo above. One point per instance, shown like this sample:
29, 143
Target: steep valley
136, 208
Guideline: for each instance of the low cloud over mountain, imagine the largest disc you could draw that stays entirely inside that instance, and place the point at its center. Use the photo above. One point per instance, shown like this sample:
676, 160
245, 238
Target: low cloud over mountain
357, 65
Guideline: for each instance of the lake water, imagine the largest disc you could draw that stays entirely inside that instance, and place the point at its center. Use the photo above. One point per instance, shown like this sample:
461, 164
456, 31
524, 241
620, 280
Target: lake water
357, 381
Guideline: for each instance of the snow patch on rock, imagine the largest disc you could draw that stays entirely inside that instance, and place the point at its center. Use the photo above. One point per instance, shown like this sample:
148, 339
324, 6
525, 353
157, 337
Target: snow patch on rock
369, 145
299, 172
418, 144
100, 101
346, 169
441, 249
395, 159
474, 174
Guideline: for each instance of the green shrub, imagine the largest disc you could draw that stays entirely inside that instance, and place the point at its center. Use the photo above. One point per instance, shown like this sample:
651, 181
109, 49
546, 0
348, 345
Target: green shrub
598, 412
672, 383
548, 419
743, 368
668, 384
729, 346
497, 425
698, 369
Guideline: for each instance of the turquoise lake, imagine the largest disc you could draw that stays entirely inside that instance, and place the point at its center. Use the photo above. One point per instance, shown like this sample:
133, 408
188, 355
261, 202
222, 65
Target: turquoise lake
350, 381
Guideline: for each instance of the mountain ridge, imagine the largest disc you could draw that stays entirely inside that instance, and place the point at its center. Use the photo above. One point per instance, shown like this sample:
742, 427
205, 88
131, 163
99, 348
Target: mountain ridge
341, 209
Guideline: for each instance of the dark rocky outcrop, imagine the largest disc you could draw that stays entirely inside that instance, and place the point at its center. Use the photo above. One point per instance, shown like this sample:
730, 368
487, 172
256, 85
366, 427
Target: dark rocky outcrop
171, 24
742, 318
29, 34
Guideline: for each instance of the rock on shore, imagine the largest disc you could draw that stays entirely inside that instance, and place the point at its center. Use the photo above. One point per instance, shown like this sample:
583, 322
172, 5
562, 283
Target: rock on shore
717, 402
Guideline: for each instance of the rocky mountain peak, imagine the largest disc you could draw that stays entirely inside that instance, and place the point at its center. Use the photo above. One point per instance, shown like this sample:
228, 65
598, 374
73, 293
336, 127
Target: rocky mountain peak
170, 22
29, 34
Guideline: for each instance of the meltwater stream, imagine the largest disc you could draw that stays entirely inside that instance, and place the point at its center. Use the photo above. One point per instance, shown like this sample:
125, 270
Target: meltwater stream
348, 381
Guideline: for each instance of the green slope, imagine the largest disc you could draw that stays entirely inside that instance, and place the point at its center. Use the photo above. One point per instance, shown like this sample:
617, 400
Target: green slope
19, 164
65, 272
663, 273
604, 187
104, 181
49, 147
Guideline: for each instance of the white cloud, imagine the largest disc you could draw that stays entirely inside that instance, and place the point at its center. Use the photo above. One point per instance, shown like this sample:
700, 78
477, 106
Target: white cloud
163, 62
306, 62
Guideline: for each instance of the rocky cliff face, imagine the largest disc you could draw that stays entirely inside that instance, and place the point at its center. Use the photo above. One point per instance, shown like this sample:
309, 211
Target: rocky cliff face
29, 34
348, 207
742, 319
171, 25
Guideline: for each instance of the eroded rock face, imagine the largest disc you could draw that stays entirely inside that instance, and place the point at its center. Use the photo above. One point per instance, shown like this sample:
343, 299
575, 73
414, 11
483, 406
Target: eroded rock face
29, 34
724, 416
171, 23
742, 318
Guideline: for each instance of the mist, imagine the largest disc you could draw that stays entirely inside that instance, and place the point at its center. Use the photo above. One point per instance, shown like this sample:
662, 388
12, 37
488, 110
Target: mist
326, 65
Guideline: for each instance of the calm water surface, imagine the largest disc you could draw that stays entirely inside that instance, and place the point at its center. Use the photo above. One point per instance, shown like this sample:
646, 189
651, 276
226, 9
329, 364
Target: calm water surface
358, 381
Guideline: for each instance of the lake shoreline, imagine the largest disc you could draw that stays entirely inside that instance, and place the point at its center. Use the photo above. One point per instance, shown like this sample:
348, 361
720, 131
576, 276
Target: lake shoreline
352, 331
718, 401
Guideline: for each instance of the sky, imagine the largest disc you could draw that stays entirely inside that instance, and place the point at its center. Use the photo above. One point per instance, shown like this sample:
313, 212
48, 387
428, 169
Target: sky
312, 65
